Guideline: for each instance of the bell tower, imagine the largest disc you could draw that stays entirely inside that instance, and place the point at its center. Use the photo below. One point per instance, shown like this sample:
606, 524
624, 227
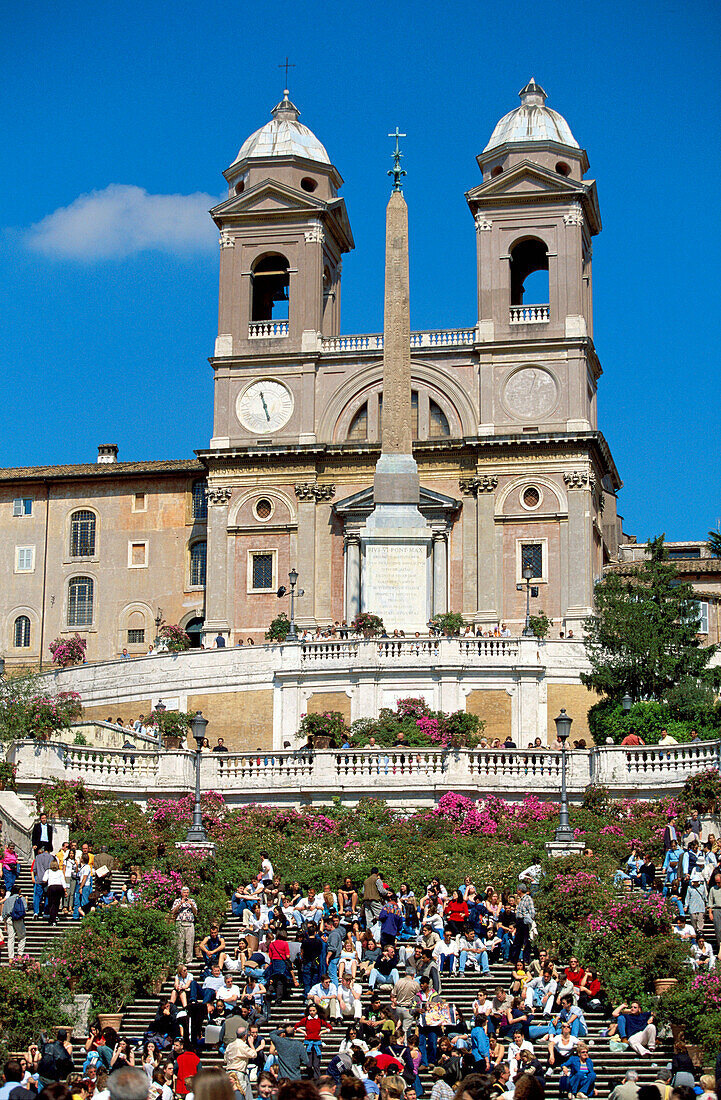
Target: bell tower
535, 216
283, 231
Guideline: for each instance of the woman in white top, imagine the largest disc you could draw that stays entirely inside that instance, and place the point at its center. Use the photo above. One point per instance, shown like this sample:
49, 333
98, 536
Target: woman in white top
70, 870
55, 887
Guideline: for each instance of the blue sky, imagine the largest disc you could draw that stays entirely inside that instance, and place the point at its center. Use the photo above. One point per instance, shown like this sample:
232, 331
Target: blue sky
109, 309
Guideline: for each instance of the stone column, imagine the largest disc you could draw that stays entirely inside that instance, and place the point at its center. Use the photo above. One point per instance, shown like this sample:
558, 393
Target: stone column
323, 550
305, 555
580, 542
352, 575
488, 610
468, 521
440, 572
217, 611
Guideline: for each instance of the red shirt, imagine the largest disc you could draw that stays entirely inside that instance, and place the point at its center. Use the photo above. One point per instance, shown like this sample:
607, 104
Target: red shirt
188, 1065
575, 977
313, 1027
456, 910
279, 949
632, 739
385, 1060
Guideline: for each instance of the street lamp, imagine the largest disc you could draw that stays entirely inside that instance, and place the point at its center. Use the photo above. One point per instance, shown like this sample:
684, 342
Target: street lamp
627, 702
293, 578
196, 832
160, 709
564, 832
158, 624
527, 576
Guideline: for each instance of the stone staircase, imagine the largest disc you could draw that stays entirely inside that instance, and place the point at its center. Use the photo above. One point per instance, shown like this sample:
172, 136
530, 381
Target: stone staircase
461, 990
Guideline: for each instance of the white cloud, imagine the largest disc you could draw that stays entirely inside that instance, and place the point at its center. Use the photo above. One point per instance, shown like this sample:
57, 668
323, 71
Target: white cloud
122, 220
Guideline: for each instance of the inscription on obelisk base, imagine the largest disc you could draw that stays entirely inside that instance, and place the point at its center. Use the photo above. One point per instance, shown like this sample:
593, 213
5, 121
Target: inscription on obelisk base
396, 540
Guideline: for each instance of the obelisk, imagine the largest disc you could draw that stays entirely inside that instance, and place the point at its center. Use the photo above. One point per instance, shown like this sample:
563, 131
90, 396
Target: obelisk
396, 538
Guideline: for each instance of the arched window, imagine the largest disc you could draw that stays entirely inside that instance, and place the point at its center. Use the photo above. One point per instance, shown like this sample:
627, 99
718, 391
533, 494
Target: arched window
529, 273
200, 500
82, 534
359, 424
21, 632
270, 288
438, 421
197, 564
80, 601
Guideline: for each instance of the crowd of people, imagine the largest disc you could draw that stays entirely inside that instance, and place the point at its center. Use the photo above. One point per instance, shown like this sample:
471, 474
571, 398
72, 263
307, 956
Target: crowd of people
370, 962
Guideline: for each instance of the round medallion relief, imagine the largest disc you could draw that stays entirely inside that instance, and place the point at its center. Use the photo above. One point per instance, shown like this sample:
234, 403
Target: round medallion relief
530, 393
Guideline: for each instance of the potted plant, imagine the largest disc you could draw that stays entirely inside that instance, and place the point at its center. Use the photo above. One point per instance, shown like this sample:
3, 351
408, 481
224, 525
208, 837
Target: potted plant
540, 624
449, 623
278, 629
68, 651
367, 624
325, 731
173, 638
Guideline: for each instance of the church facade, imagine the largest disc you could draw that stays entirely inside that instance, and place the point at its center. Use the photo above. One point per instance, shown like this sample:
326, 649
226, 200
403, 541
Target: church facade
517, 482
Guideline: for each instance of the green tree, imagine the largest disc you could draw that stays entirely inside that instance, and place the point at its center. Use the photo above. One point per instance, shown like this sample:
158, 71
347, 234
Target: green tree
278, 629
714, 543
643, 638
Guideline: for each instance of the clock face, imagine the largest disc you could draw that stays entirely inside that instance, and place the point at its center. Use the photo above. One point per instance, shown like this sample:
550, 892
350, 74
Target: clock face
530, 393
265, 406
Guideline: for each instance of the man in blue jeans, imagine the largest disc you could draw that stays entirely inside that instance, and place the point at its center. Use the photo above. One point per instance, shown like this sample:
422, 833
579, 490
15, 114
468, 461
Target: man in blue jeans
41, 863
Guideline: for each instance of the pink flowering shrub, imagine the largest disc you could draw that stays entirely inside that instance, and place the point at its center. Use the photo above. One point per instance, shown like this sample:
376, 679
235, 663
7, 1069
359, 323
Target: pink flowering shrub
68, 651
492, 815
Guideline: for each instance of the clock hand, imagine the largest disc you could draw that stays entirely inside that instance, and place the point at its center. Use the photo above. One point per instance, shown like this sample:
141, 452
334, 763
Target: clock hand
265, 407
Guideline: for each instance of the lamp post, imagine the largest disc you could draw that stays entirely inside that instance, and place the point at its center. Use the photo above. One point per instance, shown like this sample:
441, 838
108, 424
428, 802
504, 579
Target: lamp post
293, 578
564, 832
2, 667
158, 624
627, 703
160, 709
196, 832
527, 576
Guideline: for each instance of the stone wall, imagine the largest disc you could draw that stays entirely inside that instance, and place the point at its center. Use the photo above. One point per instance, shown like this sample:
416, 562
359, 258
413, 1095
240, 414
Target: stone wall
244, 719
577, 700
494, 707
322, 701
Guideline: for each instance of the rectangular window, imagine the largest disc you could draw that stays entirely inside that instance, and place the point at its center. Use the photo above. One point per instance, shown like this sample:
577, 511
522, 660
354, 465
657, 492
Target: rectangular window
532, 556
23, 506
136, 637
140, 502
24, 559
702, 613
262, 570
680, 553
137, 555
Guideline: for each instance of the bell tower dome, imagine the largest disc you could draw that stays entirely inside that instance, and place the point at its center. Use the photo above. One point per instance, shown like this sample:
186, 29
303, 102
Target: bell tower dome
283, 230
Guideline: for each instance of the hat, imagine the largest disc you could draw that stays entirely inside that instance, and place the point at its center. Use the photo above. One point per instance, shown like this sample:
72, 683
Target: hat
438, 1071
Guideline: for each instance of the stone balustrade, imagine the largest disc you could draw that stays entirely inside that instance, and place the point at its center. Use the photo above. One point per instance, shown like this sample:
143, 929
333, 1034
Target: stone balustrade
434, 338
267, 330
529, 315
404, 777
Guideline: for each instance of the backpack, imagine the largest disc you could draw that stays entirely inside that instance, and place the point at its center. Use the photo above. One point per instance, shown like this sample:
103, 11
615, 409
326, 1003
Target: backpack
18, 910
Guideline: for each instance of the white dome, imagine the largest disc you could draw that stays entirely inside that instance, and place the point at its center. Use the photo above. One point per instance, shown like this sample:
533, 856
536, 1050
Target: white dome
532, 121
283, 136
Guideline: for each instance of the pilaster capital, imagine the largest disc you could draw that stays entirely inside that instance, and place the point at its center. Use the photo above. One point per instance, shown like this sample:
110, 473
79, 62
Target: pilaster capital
351, 538
226, 239
315, 235
219, 496
577, 479
308, 491
483, 224
574, 216
472, 486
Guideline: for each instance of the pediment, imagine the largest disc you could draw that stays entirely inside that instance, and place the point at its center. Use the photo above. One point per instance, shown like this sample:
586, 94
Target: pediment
527, 177
269, 196
361, 504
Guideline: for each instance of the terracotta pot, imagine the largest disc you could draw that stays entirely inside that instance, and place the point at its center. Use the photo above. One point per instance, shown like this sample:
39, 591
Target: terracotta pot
696, 1054
321, 741
662, 985
157, 986
110, 1019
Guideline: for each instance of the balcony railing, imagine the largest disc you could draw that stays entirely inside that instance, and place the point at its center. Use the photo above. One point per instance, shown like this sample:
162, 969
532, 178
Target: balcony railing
416, 650
412, 776
433, 338
267, 330
529, 315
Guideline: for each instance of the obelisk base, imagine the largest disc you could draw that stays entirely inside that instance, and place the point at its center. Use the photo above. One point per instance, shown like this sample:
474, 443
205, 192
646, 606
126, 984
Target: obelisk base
396, 549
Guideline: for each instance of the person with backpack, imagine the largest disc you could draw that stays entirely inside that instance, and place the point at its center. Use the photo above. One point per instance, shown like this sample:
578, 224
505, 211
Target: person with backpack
13, 914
